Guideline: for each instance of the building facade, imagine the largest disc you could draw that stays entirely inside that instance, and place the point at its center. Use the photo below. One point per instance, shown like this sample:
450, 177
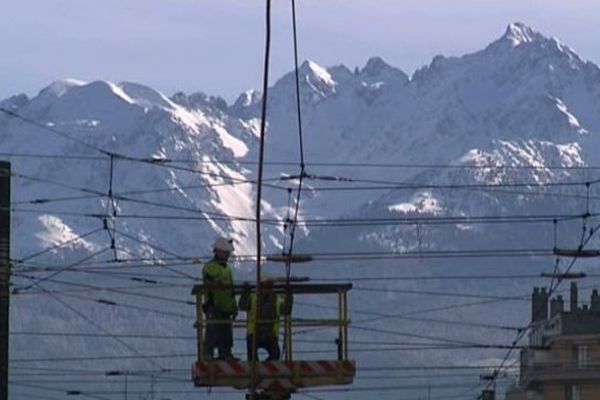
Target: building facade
562, 361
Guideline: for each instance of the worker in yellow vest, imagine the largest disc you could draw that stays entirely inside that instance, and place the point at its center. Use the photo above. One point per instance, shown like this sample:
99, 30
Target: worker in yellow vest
272, 307
220, 306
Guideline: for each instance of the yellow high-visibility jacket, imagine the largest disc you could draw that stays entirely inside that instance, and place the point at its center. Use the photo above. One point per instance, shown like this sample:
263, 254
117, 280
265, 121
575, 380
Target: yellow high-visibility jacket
282, 306
222, 296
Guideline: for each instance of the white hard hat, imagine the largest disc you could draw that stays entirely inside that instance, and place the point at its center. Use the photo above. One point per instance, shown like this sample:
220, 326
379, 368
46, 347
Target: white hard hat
223, 244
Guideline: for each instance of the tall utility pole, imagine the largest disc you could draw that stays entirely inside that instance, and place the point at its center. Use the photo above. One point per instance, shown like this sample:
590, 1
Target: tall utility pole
4, 274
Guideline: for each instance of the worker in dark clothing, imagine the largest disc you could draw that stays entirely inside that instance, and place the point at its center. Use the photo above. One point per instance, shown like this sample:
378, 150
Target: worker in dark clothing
220, 308
272, 306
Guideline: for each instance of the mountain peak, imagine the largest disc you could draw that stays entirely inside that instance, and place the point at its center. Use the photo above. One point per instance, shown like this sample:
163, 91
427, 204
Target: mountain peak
144, 96
377, 70
15, 102
518, 33
314, 70
375, 65
249, 98
62, 86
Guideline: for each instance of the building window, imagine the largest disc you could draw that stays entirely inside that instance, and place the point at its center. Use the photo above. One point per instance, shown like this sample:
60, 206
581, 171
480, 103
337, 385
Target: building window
572, 392
582, 356
576, 392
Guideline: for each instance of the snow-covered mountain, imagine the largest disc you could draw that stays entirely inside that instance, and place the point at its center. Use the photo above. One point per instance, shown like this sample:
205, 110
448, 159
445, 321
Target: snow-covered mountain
523, 112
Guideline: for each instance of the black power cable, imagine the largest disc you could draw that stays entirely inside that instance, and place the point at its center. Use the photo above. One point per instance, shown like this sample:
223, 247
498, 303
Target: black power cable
261, 158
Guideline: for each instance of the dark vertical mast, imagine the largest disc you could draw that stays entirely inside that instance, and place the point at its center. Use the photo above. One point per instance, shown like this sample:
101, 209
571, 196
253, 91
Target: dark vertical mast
4, 275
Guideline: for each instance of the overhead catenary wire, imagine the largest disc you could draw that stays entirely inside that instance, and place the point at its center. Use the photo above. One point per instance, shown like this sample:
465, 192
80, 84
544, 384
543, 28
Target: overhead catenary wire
380, 316
63, 391
89, 288
294, 220
443, 308
331, 349
57, 246
174, 380
128, 266
258, 258
496, 187
302, 173
100, 216
111, 154
421, 319
147, 278
370, 388
54, 370
37, 281
435, 277
152, 285
59, 184
352, 255
552, 289
101, 328
118, 304
162, 250
338, 222
393, 258
153, 336
50, 128
410, 185
47, 200
102, 380
317, 163
368, 345
438, 294
261, 158
372, 368
477, 188
134, 277
322, 222
108, 269
114, 303
480, 346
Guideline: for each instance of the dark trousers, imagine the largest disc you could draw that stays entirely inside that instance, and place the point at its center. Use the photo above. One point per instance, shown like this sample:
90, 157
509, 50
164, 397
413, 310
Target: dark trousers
218, 335
267, 342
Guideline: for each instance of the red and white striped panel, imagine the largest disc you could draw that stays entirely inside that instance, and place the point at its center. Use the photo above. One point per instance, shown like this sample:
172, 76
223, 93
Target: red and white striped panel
232, 368
275, 368
319, 368
227, 368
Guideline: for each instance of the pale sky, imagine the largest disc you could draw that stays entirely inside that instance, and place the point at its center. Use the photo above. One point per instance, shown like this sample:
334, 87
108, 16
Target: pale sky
217, 45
